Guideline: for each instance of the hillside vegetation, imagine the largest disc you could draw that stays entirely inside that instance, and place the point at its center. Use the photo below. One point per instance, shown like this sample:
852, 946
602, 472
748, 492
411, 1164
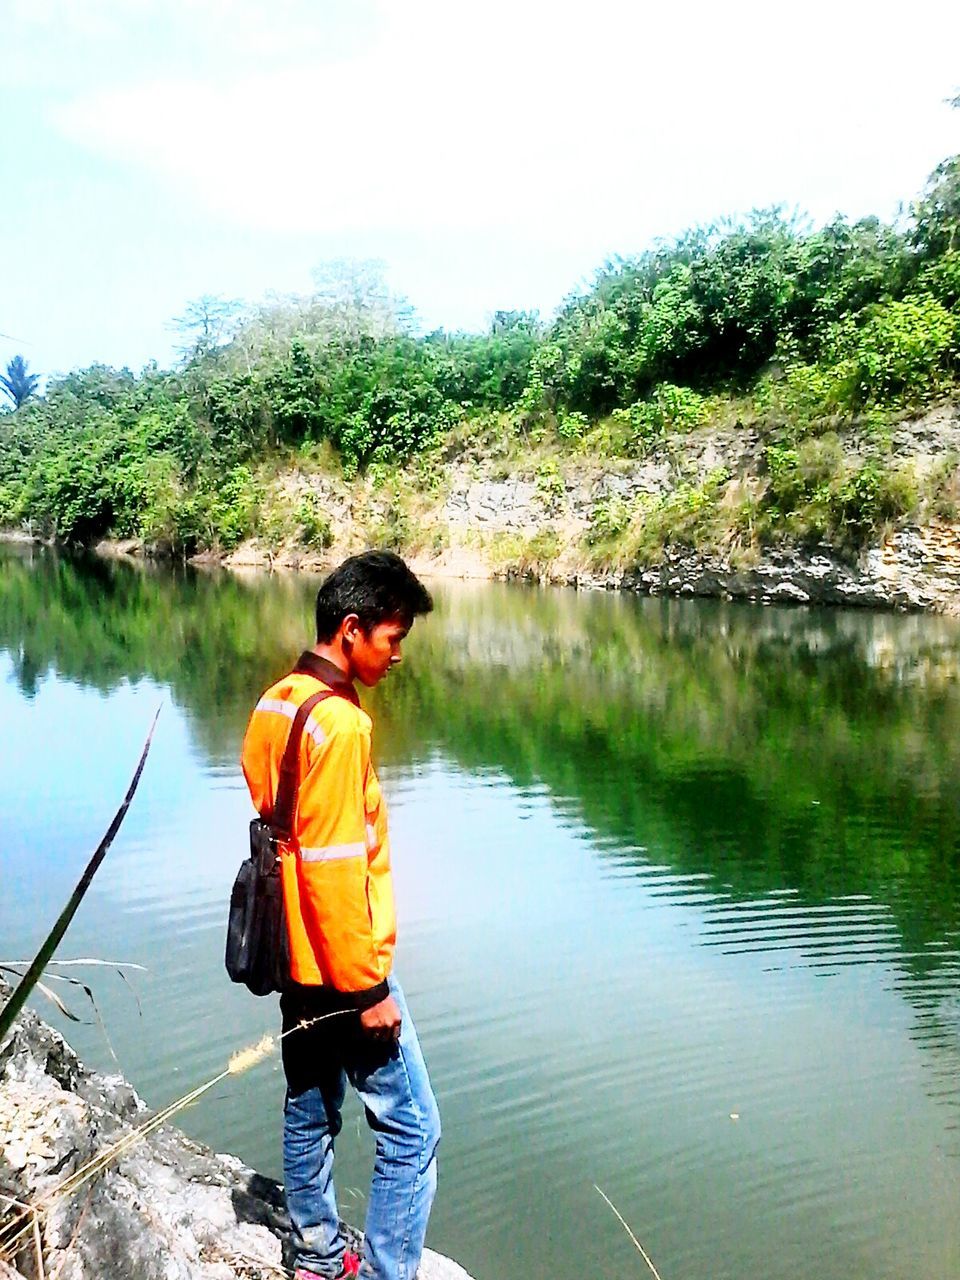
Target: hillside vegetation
799, 336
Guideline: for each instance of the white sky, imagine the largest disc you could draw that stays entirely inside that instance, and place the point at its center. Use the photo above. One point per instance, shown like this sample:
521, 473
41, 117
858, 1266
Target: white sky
492, 155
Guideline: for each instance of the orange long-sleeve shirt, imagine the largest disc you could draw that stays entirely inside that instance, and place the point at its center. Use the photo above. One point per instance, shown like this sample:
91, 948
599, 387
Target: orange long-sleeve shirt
337, 887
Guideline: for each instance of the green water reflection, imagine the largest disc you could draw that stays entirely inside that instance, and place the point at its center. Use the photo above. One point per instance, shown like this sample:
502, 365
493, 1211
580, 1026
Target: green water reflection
785, 782
783, 748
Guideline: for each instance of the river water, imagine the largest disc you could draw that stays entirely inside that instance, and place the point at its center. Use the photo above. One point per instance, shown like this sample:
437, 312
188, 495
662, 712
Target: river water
679, 898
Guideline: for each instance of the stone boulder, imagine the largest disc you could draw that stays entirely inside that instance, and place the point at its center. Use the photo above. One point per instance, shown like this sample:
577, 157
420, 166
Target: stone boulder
164, 1208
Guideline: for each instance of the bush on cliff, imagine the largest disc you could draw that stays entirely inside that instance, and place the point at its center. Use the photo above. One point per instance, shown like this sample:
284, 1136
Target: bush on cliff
801, 330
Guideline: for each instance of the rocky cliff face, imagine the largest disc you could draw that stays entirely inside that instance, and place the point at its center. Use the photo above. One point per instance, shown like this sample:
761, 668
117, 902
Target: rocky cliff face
916, 568
467, 523
165, 1208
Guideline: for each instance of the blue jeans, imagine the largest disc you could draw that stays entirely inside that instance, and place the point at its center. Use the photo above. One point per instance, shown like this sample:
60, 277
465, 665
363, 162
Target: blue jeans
394, 1087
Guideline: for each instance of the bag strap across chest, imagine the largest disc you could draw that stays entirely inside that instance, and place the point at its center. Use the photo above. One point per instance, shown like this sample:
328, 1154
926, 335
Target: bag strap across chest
281, 819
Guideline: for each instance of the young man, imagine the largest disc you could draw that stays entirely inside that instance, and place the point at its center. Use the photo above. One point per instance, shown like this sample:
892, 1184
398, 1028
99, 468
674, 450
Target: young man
341, 926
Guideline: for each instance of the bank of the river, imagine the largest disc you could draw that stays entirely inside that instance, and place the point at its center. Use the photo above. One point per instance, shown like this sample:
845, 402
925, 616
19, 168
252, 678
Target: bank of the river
164, 1208
751, 817
578, 520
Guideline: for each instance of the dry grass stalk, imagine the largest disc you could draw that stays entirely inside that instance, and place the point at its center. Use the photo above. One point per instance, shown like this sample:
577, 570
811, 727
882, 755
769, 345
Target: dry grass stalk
244, 1059
38, 1245
33, 1226
626, 1227
234, 1256
239, 1062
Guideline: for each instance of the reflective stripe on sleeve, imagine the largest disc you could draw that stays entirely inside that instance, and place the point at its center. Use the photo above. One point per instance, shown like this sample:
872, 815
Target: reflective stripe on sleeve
280, 706
288, 709
333, 852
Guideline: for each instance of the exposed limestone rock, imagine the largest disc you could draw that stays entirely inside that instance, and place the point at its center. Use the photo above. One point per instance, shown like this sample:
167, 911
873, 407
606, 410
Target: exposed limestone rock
166, 1208
915, 569
491, 504
120, 548
476, 505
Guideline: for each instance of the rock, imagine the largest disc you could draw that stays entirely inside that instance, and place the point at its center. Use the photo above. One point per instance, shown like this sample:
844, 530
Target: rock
492, 504
15, 537
119, 548
483, 514
163, 1208
915, 569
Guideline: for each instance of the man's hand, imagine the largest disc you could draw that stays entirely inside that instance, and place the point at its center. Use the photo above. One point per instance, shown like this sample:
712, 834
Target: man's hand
382, 1021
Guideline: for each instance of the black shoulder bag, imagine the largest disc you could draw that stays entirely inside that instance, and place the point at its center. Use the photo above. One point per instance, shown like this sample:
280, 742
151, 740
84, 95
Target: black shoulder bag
258, 950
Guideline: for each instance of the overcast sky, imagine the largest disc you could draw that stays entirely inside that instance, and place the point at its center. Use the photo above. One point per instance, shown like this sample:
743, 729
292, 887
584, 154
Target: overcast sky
492, 154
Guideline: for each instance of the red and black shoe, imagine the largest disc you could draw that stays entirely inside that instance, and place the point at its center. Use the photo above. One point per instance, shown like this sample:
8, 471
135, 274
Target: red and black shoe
349, 1270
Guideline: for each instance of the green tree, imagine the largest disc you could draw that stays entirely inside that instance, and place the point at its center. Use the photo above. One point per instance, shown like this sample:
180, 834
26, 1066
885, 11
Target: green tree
706, 310
17, 382
936, 215
488, 370
357, 300
842, 268
207, 324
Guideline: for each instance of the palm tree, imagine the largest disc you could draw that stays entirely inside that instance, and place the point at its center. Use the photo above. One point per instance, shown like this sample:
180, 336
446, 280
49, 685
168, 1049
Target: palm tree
18, 384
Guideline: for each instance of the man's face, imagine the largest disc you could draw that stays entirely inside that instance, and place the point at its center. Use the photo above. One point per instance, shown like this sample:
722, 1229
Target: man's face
374, 652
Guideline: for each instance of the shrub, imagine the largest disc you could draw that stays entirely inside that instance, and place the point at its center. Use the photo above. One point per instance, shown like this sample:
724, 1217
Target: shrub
220, 512
513, 553
10, 504
572, 426
609, 519
158, 521
688, 516
428, 471
941, 489
549, 483
941, 279
669, 408
435, 538
811, 391
542, 549
675, 408
813, 494
391, 529
275, 522
313, 525
904, 350
869, 498
545, 377
796, 474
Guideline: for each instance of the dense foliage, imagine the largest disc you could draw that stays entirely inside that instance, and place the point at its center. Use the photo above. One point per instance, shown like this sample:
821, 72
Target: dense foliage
812, 327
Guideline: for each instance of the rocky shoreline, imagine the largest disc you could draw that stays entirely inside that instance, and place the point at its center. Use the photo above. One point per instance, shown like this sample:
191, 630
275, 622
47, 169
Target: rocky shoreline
917, 569
484, 521
165, 1208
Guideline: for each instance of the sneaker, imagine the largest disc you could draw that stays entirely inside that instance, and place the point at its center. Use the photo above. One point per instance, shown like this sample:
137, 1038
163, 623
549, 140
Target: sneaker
350, 1268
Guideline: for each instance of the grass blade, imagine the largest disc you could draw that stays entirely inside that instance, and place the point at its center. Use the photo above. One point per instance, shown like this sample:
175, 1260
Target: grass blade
55, 999
119, 965
623, 1222
30, 979
76, 982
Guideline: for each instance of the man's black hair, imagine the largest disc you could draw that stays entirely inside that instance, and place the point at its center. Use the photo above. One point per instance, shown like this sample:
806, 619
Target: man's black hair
375, 586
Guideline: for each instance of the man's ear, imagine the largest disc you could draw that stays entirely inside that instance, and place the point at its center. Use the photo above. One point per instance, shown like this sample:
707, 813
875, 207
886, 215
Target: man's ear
349, 628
